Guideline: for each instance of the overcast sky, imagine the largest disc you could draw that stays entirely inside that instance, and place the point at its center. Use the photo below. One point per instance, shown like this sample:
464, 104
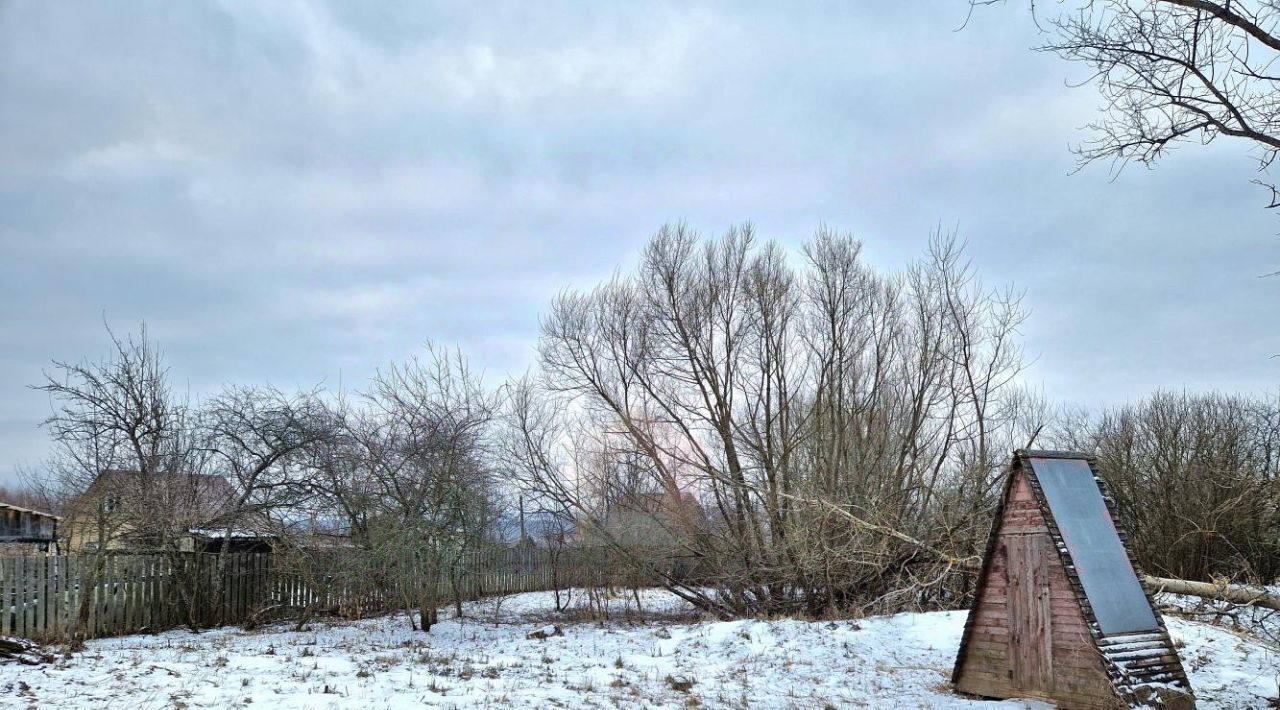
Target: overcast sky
290, 193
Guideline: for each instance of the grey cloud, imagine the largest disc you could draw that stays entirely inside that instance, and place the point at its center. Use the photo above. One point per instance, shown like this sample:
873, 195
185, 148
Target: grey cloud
289, 191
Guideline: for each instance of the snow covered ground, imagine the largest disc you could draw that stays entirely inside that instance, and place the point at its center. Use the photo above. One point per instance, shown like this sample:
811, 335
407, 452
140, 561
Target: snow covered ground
667, 657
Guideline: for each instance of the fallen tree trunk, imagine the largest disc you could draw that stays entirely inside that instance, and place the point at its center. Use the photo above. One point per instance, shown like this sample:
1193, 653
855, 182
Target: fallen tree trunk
1241, 594
1235, 593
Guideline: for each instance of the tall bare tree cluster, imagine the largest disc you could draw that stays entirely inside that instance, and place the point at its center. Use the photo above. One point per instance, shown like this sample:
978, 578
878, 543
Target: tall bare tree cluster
1197, 478
760, 431
382, 492
135, 461
121, 417
809, 435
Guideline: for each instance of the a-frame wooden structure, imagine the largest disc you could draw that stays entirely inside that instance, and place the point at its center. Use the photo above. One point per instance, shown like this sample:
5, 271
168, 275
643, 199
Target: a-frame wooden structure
1059, 611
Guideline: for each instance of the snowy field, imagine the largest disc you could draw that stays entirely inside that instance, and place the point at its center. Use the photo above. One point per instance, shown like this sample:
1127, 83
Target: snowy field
666, 657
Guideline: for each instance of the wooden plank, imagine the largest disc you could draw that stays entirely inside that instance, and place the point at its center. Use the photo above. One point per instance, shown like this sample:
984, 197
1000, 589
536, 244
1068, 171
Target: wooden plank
13, 600
231, 582
1133, 638
155, 602
55, 599
251, 585
169, 594
1030, 616
1163, 661
975, 682
213, 601
36, 596
10, 596
65, 611
237, 589
144, 592
23, 583
92, 590
254, 585
101, 617
85, 596
111, 590
28, 598
118, 588
102, 598
133, 592
34, 627
44, 607
134, 606
157, 593
192, 582
242, 590
220, 588
126, 595
102, 605
162, 593
72, 571
139, 591
6, 596
266, 582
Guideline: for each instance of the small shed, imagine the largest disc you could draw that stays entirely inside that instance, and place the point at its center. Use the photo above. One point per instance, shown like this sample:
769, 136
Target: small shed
21, 526
1059, 611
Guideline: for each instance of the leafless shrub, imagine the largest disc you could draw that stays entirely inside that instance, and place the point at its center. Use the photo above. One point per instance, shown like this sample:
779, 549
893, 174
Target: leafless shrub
1195, 477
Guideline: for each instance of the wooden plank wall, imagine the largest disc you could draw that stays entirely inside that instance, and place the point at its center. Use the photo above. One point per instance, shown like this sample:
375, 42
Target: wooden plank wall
41, 597
1077, 677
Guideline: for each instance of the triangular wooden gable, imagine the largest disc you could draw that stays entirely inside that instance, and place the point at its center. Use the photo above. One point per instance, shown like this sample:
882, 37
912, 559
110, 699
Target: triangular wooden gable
1032, 631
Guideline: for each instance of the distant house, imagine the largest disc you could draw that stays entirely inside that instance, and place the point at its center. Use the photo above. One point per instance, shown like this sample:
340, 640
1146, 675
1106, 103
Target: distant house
23, 531
129, 511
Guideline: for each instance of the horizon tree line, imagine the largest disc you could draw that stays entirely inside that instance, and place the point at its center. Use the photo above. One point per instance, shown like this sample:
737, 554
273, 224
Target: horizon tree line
759, 432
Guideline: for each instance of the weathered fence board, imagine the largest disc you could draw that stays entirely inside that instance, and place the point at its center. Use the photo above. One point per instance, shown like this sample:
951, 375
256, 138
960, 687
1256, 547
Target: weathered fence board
41, 596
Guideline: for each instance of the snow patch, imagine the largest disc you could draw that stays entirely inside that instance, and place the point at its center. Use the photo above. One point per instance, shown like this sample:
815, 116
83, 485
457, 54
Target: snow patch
632, 660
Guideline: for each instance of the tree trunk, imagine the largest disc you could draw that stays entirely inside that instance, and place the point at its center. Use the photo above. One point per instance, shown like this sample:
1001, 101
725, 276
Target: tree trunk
1234, 593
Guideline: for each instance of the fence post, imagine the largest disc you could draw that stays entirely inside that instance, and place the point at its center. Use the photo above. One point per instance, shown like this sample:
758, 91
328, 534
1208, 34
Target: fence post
8, 584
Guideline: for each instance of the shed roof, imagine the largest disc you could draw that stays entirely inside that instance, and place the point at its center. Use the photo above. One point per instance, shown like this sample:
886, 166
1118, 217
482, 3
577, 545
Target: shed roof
7, 506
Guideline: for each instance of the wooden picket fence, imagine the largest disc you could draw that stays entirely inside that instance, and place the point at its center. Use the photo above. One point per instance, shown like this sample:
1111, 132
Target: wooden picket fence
43, 597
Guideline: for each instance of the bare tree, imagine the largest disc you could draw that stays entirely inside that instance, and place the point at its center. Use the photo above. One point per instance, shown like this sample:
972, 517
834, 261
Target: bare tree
137, 468
257, 438
407, 472
254, 437
1173, 72
121, 433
